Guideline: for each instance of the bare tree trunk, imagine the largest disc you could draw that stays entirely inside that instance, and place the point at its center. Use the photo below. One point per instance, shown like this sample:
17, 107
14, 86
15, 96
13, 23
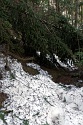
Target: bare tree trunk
81, 14
72, 18
56, 3
57, 6
76, 13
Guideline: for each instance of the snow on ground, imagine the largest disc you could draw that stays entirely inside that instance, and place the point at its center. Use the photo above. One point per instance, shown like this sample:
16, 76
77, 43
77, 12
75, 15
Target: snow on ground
37, 99
68, 65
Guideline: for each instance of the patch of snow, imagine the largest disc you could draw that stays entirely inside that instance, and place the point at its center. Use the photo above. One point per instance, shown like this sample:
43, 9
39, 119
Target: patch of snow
69, 64
14, 37
38, 53
38, 99
56, 115
48, 57
1, 122
35, 66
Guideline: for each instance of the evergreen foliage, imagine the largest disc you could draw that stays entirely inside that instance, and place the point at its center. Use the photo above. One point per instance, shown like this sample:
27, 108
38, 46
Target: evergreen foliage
27, 31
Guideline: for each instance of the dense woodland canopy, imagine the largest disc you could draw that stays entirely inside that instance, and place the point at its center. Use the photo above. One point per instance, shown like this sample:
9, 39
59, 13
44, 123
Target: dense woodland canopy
50, 27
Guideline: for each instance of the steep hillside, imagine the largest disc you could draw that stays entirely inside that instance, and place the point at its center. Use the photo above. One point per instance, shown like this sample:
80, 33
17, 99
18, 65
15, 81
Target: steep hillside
36, 99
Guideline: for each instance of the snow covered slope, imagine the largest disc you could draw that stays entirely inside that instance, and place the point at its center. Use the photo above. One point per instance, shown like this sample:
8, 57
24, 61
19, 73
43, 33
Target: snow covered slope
37, 100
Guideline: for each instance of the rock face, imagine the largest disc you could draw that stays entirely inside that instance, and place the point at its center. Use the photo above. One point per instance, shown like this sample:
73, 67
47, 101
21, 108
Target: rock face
56, 116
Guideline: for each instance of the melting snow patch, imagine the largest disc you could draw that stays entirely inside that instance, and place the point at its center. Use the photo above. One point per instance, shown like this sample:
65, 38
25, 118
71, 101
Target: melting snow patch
68, 65
56, 116
37, 100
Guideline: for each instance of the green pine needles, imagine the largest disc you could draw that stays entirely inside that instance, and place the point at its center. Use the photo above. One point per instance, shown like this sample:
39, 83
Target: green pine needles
27, 28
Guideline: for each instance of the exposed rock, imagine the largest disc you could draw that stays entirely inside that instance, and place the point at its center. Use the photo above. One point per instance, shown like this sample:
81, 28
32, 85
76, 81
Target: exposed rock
0, 76
3, 97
